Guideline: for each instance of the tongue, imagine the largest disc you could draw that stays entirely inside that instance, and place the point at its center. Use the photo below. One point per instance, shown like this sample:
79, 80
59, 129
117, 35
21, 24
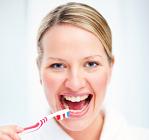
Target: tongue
75, 105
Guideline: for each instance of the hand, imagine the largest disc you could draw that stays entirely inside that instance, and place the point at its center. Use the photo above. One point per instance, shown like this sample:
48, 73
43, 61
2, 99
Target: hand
10, 132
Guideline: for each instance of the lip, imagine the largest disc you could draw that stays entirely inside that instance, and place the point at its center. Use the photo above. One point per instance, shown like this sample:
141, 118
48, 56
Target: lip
80, 113
74, 94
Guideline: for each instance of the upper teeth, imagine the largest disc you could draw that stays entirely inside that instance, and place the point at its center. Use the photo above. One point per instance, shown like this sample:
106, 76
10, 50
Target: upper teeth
76, 98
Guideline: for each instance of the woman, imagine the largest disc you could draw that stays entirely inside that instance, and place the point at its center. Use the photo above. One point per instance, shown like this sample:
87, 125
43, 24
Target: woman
75, 64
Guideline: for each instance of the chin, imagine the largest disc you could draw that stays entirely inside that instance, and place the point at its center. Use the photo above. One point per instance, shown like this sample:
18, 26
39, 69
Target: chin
75, 125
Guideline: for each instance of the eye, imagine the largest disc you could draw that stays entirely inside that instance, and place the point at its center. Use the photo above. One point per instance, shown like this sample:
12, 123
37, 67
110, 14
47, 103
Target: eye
91, 64
57, 66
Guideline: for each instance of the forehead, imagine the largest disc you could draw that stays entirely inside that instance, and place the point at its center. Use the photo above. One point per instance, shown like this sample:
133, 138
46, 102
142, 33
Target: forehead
66, 37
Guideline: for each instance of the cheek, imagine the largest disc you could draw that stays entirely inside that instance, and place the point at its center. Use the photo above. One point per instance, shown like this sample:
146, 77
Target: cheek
99, 84
51, 84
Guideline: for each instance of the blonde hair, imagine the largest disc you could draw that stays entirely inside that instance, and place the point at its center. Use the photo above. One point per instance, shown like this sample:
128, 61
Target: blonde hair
81, 15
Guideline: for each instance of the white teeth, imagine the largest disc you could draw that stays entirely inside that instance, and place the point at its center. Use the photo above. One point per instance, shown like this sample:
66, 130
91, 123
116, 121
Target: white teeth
76, 99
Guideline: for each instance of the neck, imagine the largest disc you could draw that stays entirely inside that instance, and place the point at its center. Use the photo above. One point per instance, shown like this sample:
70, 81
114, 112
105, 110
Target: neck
93, 132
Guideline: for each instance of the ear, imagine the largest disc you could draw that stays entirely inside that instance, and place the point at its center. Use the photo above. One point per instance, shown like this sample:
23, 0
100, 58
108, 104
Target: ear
38, 63
111, 69
40, 81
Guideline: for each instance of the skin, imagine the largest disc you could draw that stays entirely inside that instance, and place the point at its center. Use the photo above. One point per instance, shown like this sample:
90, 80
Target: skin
82, 67
10, 132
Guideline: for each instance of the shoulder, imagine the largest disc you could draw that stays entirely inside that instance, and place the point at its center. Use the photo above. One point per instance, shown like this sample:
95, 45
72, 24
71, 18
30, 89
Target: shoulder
136, 133
116, 128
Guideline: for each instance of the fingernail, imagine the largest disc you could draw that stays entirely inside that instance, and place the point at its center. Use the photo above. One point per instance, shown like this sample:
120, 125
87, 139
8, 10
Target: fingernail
19, 129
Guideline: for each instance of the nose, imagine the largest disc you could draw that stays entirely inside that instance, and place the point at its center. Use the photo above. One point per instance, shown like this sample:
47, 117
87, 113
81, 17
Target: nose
75, 81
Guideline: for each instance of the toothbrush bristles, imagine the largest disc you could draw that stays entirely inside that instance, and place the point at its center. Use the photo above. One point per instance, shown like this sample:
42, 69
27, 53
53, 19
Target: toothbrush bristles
68, 114
58, 117
63, 116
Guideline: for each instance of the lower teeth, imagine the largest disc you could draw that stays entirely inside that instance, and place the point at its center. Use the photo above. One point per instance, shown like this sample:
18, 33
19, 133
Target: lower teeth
66, 106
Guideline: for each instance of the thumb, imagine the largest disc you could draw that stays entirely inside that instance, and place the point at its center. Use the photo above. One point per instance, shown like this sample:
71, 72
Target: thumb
19, 129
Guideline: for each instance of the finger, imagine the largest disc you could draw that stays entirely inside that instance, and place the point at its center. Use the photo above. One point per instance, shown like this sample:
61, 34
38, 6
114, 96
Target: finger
16, 137
19, 129
14, 128
11, 132
5, 137
12, 135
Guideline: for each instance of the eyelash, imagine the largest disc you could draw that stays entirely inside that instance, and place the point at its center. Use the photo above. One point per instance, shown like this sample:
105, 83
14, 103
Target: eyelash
57, 66
91, 64
88, 64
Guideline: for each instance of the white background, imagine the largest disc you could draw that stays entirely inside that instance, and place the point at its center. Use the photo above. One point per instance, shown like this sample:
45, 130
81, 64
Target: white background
21, 96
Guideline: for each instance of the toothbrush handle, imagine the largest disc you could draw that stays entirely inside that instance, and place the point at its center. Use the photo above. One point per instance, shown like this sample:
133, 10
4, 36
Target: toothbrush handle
31, 127
60, 115
37, 125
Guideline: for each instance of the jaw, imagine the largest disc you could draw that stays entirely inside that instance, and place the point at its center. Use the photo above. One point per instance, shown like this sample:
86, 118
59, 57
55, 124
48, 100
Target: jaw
81, 120
78, 105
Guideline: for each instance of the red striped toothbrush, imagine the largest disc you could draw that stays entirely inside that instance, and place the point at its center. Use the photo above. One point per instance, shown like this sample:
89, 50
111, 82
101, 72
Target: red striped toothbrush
59, 115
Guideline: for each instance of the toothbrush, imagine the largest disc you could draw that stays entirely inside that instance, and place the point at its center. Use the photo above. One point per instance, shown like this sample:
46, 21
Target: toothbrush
59, 115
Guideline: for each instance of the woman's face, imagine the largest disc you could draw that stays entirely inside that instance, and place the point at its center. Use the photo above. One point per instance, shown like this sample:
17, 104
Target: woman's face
74, 72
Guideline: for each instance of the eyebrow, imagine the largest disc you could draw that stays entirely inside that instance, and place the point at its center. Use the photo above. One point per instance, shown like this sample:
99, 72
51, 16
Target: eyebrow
56, 58
92, 56
60, 59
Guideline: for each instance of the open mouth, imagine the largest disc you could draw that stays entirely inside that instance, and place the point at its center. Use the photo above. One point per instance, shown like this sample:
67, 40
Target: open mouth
78, 105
